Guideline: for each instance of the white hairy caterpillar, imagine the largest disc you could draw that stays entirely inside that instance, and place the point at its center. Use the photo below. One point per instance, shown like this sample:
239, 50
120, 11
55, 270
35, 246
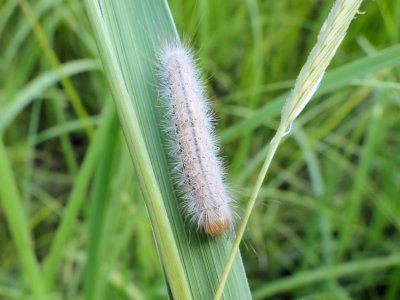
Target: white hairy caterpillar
197, 169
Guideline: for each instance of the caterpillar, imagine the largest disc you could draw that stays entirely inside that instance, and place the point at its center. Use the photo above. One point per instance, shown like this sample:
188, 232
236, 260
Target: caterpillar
198, 171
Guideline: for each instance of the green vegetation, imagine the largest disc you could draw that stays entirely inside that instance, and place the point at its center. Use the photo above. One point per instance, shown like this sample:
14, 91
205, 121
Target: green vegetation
326, 223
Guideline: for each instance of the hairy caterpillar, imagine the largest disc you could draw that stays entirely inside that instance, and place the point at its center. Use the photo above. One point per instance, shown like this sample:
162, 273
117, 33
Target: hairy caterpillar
197, 169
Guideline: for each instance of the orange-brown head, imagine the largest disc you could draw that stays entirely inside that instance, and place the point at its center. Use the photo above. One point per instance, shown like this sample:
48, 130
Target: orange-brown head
216, 227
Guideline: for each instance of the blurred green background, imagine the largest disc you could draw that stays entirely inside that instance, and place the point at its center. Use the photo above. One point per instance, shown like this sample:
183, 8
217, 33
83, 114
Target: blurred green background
327, 222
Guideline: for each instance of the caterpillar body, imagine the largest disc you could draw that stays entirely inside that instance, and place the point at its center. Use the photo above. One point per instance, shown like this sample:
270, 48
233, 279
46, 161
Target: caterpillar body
197, 169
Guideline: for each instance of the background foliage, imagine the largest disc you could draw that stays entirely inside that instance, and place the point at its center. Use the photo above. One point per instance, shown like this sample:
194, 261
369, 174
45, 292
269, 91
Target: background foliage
326, 224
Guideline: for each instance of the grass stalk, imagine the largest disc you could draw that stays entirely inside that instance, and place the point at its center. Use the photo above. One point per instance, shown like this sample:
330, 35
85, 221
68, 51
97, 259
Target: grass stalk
330, 37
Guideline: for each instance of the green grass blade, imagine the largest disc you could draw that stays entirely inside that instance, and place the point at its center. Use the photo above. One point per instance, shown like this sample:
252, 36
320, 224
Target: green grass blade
77, 196
129, 34
373, 137
102, 179
40, 84
53, 58
313, 276
64, 128
17, 221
